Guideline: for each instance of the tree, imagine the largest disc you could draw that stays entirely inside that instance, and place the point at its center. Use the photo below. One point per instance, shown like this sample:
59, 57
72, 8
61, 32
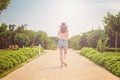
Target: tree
12, 27
102, 44
4, 4
83, 40
41, 38
112, 25
20, 29
74, 42
51, 44
3, 27
12, 33
11, 36
32, 35
4, 34
94, 36
21, 39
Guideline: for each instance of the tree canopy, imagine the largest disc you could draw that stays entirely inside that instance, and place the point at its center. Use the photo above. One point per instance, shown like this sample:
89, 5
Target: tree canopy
9, 35
4, 4
112, 28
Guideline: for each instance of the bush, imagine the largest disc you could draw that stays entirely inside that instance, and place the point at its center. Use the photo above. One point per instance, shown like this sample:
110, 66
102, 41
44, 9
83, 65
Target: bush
14, 58
112, 49
110, 61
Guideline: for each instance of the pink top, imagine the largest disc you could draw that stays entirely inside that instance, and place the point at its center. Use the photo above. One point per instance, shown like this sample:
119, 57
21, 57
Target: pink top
63, 36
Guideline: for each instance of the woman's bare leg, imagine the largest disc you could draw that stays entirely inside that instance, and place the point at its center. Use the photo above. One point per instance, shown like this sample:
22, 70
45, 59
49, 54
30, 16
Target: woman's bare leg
65, 53
61, 56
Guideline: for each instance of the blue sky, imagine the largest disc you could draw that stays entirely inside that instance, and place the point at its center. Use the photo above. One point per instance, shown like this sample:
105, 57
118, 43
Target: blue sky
47, 15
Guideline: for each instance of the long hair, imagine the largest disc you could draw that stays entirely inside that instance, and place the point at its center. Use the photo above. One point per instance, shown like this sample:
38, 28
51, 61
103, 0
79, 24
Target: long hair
63, 29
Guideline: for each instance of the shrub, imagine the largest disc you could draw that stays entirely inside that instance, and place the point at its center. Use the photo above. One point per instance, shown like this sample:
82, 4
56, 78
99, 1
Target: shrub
16, 57
112, 49
110, 61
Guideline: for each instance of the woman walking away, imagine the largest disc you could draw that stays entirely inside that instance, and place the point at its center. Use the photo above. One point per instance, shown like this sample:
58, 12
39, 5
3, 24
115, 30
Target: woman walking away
63, 42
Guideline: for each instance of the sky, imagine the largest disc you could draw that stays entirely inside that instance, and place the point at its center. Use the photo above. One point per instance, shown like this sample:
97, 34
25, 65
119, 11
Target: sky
47, 15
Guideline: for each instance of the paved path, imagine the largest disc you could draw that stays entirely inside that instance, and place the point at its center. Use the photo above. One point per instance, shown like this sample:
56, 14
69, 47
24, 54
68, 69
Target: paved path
47, 67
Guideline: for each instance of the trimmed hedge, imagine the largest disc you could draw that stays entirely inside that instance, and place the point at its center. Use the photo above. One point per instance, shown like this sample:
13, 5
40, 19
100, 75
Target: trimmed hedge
112, 49
11, 58
109, 60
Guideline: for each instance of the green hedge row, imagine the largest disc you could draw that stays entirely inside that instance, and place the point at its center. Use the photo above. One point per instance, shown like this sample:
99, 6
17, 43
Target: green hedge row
109, 60
112, 49
11, 58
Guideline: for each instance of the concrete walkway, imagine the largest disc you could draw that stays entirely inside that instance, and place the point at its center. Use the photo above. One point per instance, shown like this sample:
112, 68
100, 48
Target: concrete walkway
47, 67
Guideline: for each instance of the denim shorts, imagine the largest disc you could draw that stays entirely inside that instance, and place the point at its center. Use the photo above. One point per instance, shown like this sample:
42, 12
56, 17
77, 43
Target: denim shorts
62, 44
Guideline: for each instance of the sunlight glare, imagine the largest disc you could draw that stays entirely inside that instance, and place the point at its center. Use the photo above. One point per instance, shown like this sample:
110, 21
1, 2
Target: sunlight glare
67, 7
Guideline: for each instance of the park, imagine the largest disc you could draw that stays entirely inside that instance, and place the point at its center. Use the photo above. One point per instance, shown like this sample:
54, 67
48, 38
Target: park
29, 54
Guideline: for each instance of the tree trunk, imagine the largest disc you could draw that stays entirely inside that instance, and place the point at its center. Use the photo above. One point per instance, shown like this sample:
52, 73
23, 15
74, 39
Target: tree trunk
116, 42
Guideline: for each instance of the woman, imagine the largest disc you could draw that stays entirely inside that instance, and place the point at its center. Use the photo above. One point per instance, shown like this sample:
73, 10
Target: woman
63, 42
